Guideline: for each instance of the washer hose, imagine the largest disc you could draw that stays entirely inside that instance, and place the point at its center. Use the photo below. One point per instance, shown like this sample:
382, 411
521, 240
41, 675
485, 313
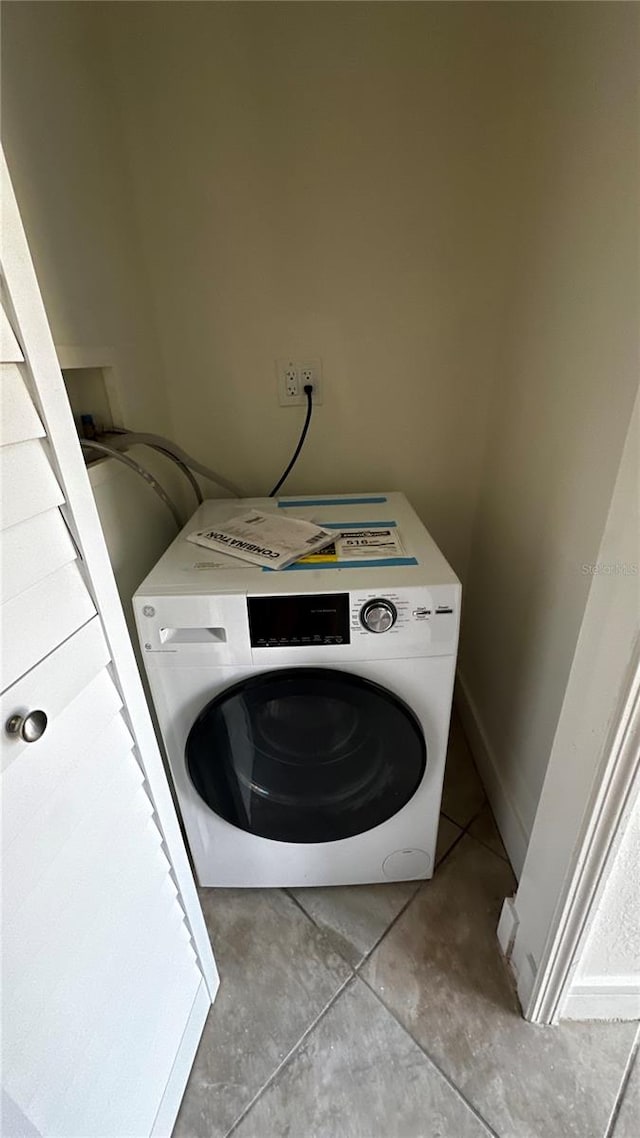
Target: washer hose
87, 444
129, 438
171, 448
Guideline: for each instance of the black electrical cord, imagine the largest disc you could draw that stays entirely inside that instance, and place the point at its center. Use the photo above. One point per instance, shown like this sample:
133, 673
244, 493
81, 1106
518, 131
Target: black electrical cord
308, 390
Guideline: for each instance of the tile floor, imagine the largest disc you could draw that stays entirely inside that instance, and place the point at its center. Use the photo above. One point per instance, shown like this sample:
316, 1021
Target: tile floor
386, 1011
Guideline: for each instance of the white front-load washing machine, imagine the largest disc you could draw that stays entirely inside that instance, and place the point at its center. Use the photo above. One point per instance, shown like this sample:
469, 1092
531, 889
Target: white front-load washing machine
305, 712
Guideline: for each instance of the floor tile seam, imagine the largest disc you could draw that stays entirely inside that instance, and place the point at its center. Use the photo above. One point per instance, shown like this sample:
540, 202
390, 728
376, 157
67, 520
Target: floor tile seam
467, 830
474, 818
455, 822
503, 857
322, 930
355, 969
291, 1053
419, 887
491, 1133
632, 1059
392, 923
445, 855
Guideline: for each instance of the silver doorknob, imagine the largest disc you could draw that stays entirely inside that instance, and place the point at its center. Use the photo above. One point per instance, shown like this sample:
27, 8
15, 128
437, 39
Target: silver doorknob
29, 728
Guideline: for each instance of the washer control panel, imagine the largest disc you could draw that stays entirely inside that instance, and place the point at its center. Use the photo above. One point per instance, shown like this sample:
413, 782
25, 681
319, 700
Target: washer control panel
300, 621
408, 617
412, 620
378, 615
361, 624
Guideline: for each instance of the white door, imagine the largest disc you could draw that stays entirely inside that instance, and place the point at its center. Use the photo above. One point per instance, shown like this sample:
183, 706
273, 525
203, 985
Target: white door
107, 970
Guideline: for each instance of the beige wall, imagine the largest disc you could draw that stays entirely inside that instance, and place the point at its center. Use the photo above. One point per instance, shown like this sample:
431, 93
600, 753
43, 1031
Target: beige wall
438, 200
318, 179
64, 150
567, 379
595, 695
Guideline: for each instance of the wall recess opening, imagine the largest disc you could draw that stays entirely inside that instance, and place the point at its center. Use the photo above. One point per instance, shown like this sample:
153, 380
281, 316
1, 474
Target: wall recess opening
93, 397
88, 395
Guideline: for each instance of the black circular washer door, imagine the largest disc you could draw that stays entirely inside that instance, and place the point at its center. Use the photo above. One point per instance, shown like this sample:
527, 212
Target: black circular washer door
306, 755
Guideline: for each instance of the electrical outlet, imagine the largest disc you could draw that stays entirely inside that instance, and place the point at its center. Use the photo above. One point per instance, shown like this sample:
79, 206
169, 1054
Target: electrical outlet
288, 379
310, 371
292, 378
288, 382
291, 386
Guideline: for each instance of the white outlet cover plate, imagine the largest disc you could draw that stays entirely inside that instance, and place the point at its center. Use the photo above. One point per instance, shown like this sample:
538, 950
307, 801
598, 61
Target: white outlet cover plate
301, 363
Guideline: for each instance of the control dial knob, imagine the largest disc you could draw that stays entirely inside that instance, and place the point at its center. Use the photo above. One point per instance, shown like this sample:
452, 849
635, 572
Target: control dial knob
378, 615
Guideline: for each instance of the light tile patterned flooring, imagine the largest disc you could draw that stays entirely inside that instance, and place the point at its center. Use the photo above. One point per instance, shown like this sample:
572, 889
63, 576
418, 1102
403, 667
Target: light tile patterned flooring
386, 1011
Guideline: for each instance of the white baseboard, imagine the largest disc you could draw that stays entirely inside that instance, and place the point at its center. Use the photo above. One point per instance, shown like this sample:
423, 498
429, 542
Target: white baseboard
603, 997
507, 927
508, 820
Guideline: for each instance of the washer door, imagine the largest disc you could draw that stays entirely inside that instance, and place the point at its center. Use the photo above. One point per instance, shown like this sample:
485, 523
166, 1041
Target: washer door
306, 755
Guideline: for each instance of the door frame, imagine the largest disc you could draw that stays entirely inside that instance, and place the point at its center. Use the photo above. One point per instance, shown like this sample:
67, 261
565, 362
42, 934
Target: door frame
593, 778
612, 801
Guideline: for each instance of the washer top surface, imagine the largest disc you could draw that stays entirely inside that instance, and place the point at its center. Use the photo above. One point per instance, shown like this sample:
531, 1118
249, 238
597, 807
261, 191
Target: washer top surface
189, 569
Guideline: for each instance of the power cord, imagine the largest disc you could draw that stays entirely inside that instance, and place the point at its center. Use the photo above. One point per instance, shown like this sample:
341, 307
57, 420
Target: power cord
308, 390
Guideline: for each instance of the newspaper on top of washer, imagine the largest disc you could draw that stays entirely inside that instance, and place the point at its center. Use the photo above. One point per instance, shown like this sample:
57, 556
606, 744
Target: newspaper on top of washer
269, 540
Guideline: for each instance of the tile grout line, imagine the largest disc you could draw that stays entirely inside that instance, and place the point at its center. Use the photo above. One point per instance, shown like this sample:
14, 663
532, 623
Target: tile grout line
447, 1078
472, 819
355, 974
355, 967
634, 1057
290, 1054
327, 932
320, 928
467, 830
422, 883
485, 846
391, 924
447, 852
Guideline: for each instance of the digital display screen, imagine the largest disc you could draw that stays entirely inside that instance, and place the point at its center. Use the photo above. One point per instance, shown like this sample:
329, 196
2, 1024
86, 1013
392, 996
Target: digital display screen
291, 622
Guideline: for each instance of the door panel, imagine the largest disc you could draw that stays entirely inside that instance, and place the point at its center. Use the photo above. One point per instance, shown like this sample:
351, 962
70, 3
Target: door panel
20, 420
100, 784
51, 772
25, 470
54, 682
131, 1013
38, 620
23, 546
10, 350
79, 908
99, 971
